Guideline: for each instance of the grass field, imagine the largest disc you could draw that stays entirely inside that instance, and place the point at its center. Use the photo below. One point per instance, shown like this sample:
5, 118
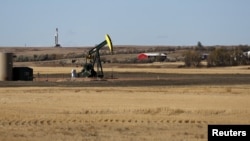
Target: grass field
148, 113
151, 68
158, 112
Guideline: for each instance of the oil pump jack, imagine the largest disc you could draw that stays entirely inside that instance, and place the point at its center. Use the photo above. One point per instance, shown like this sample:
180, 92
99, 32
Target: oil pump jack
93, 58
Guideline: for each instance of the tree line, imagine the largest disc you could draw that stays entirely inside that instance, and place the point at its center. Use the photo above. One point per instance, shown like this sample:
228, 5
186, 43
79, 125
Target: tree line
192, 56
217, 56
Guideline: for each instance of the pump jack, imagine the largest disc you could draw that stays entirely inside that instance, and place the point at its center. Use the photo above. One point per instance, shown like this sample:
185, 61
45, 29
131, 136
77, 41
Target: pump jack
93, 57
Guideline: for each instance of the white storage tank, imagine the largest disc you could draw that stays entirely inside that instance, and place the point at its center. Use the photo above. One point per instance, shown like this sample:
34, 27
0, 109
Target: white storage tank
6, 64
247, 54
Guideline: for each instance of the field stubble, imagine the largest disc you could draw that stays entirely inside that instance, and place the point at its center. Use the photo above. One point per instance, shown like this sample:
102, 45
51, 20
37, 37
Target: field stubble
150, 68
119, 113
178, 107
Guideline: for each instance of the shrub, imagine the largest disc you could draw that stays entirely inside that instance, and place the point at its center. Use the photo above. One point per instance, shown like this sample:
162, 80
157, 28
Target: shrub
192, 58
220, 57
226, 57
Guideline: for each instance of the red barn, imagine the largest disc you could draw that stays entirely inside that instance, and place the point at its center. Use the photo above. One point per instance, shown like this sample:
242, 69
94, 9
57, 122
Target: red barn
143, 56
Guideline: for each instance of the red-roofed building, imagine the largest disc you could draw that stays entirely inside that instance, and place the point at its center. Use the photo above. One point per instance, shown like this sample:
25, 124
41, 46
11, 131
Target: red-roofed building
143, 56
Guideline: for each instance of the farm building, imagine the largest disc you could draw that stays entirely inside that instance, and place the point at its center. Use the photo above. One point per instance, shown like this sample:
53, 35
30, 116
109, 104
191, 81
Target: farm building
143, 56
204, 56
247, 54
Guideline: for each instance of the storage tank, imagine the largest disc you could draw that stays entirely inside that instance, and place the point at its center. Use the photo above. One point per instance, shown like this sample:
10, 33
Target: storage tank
6, 63
22, 73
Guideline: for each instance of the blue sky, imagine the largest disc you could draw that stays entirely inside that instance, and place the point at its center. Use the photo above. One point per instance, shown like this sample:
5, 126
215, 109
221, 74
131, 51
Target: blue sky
128, 22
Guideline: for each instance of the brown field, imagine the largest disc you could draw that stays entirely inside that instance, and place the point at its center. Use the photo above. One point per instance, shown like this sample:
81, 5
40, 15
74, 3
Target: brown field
160, 68
145, 102
176, 105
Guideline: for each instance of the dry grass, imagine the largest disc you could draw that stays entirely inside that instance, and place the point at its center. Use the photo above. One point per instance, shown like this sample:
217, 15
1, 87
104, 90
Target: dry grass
104, 113
151, 68
122, 113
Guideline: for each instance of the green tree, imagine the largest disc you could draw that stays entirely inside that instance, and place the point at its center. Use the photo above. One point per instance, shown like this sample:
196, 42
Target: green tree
199, 46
